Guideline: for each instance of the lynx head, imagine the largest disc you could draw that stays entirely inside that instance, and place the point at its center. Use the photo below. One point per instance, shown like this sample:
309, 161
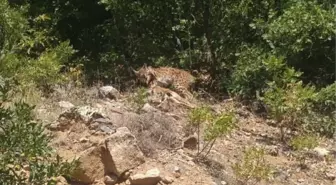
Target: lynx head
144, 74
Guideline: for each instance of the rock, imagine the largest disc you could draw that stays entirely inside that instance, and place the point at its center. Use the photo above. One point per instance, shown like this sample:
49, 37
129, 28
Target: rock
102, 121
106, 129
116, 154
301, 180
223, 183
91, 166
108, 92
110, 180
61, 181
98, 182
331, 175
65, 104
152, 177
127, 182
84, 113
123, 150
177, 172
273, 150
177, 169
53, 126
177, 175
321, 152
167, 180
190, 143
126, 175
102, 124
83, 140
149, 108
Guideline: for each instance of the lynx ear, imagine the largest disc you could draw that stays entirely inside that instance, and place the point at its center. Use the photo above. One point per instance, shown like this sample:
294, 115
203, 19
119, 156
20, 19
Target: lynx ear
135, 71
145, 65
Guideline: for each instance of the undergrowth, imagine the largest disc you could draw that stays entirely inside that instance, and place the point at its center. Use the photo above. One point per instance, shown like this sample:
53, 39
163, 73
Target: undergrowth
25, 155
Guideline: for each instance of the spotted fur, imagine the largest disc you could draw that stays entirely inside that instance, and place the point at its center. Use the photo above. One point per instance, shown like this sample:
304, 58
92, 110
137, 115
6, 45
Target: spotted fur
178, 80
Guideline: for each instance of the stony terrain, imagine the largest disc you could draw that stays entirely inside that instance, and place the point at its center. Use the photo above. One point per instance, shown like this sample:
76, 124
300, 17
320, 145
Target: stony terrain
117, 144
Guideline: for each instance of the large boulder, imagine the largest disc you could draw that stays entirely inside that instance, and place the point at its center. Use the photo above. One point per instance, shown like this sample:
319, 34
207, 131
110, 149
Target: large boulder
114, 155
124, 151
91, 166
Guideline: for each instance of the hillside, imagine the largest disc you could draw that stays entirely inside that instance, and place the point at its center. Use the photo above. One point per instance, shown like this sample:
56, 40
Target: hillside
152, 139
177, 92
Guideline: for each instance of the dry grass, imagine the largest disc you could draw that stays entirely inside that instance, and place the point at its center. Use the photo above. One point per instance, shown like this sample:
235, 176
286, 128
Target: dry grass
155, 131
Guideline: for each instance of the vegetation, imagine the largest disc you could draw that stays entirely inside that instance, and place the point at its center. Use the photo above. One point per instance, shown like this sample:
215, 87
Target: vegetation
301, 144
280, 52
215, 126
25, 155
139, 99
253, 166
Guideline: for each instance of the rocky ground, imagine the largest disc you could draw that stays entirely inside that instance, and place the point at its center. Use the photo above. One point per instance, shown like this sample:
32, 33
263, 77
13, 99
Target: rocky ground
117, 144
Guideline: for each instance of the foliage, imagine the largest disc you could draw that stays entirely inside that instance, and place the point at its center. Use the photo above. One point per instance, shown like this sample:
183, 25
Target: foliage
253, 166
44, 71
139, 98
320, 123
216, 126
325, 100
304, 33
13, 24
114, 35
255, 68
302, 144
25, 154
289, 105
33, 56
242, 45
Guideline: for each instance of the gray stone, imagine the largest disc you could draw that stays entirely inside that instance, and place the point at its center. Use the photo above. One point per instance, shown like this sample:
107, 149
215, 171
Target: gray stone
152, 177
65, 104
321, 152
108, 92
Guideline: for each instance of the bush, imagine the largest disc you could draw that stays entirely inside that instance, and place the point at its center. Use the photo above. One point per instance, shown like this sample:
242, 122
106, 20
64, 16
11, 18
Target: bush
289, 105
216, 126
25, 155
253, 166
254, 69
44, 72
302, 144
305, 34
325, 100
139, 99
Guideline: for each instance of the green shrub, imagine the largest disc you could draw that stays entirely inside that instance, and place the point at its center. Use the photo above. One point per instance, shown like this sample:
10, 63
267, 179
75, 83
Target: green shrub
25, 155
44, 72
254, 69
325, 100
296, 106
215, 126
302, 144
305, 34
289, 105
253, 166
12, 25
139, 98
324, 124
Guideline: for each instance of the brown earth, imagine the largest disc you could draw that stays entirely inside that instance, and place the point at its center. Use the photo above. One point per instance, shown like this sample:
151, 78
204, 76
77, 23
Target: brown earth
159, 135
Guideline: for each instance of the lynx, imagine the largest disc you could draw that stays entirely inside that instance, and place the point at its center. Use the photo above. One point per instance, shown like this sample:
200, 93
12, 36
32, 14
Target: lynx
165, 95
178, 80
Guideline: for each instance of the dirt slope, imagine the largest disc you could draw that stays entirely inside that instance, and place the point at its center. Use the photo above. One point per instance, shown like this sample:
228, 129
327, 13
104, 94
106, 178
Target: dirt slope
159, 135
